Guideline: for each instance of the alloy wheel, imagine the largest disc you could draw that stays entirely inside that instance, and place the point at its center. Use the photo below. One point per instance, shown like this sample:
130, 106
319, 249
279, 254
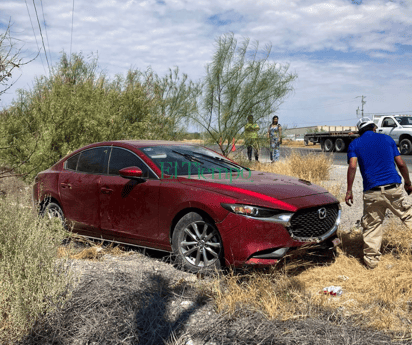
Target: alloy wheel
201, 244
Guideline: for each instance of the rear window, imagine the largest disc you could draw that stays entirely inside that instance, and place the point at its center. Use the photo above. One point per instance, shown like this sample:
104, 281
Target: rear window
71, 163
93, 161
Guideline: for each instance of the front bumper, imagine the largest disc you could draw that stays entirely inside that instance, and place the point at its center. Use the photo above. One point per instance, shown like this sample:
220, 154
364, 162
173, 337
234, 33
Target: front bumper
248, 240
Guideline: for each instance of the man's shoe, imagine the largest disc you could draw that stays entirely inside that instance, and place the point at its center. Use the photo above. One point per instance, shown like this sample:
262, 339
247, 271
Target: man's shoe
369, 267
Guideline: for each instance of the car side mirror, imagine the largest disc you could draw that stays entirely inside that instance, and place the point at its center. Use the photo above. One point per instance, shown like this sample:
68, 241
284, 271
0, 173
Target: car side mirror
131, 172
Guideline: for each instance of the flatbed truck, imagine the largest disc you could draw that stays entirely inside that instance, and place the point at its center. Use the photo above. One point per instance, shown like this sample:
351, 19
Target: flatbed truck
398, 127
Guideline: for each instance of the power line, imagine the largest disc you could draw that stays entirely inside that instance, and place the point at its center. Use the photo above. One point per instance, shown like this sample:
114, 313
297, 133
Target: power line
71, 36
45, 29
390, 112
354, 118
41, 34
35, 36
320, 107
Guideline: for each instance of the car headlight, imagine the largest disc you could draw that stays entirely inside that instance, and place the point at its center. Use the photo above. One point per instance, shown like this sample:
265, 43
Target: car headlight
262, 213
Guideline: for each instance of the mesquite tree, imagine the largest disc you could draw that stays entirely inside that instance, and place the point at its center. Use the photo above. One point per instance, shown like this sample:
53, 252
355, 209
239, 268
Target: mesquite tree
241, 80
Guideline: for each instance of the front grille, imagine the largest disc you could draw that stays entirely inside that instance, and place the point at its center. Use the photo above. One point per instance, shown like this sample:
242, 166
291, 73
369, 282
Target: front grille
306, 223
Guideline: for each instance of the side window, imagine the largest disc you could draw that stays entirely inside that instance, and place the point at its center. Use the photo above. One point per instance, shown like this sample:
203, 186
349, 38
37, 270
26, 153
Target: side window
71, 163
93, 161
121, 158
388, 122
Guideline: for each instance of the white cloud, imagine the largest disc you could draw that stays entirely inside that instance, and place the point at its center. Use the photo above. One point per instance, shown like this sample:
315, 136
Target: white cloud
168, 33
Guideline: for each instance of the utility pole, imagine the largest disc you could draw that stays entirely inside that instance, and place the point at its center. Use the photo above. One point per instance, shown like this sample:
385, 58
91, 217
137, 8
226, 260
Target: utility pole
363, 102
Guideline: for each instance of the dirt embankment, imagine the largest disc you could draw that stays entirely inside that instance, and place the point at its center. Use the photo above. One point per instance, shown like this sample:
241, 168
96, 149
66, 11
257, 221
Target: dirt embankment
137, 299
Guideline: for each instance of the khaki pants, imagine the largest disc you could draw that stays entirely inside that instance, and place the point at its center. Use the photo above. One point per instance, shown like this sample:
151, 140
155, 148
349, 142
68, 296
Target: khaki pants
375, 204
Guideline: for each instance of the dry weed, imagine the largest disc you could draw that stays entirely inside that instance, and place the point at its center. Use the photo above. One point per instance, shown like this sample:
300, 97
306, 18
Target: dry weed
32, 281
273, 294
94, 252
313, 167
378, 299
293, 143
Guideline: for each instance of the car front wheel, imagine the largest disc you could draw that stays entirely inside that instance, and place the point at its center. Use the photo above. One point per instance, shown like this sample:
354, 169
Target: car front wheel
196, 244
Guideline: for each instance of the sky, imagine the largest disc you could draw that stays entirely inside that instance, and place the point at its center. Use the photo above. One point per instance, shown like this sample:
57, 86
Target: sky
339, 49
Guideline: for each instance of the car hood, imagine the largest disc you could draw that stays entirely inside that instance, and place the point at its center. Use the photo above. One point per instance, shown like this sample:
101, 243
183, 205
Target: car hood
276, 186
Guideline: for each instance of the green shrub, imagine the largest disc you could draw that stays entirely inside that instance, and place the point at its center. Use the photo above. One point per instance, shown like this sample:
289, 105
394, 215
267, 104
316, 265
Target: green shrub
77, 105
32, 280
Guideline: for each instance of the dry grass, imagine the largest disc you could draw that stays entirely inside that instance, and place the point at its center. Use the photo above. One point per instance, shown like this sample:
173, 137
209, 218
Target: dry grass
313, 167
32, 282
379, 299
15, 188
81, 248
194, 141
293, 143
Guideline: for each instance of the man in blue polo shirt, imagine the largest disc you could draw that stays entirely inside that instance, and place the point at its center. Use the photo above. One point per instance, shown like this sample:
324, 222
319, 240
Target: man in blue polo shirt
377, 155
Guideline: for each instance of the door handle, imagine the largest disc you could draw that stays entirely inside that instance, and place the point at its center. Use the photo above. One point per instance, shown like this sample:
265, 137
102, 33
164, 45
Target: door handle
106, 190
66, 185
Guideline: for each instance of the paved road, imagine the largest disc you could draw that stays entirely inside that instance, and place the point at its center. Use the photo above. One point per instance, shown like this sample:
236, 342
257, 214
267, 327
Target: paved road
338, 158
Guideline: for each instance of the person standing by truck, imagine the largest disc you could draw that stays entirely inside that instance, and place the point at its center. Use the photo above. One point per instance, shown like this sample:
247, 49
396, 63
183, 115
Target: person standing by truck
275, 138
251, 138
382, 189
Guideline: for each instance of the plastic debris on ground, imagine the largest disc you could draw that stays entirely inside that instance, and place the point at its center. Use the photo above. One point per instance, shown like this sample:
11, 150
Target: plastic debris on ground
332, 290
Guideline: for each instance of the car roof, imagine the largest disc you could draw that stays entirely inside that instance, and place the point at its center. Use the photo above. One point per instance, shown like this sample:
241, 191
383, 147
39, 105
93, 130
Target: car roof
145, 143
135, 143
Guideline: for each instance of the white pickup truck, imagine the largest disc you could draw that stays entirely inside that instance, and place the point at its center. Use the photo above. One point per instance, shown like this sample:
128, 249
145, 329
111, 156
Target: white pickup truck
398, 127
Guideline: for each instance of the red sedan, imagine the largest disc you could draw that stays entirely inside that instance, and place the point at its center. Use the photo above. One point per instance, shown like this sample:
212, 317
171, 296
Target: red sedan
187, 199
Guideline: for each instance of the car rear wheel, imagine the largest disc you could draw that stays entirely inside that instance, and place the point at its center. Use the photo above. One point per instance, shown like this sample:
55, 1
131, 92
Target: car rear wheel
328, 145
196, 244
405, 146
54, 212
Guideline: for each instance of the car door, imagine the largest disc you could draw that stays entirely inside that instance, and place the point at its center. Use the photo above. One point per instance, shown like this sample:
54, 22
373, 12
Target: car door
390, 127
129, 208
79, 189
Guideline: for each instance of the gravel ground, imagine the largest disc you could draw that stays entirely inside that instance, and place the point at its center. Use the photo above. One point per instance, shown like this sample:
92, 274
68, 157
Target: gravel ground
351, 215
142, 299
138, 299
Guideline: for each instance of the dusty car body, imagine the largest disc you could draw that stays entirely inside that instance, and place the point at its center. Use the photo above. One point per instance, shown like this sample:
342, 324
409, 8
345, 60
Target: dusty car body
188, 200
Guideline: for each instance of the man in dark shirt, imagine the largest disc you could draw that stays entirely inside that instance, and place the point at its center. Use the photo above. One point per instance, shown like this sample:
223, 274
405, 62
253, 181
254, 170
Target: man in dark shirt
377, 155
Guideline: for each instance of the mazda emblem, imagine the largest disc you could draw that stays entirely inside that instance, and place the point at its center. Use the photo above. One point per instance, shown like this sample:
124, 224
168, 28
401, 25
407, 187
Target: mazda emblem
322, 213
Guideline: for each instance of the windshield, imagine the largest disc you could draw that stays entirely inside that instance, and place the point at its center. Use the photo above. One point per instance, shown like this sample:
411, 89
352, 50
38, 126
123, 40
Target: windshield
404, 120
185, 160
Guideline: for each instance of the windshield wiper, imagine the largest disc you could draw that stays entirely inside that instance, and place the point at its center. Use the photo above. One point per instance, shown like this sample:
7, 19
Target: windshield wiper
189, 157
222, 160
